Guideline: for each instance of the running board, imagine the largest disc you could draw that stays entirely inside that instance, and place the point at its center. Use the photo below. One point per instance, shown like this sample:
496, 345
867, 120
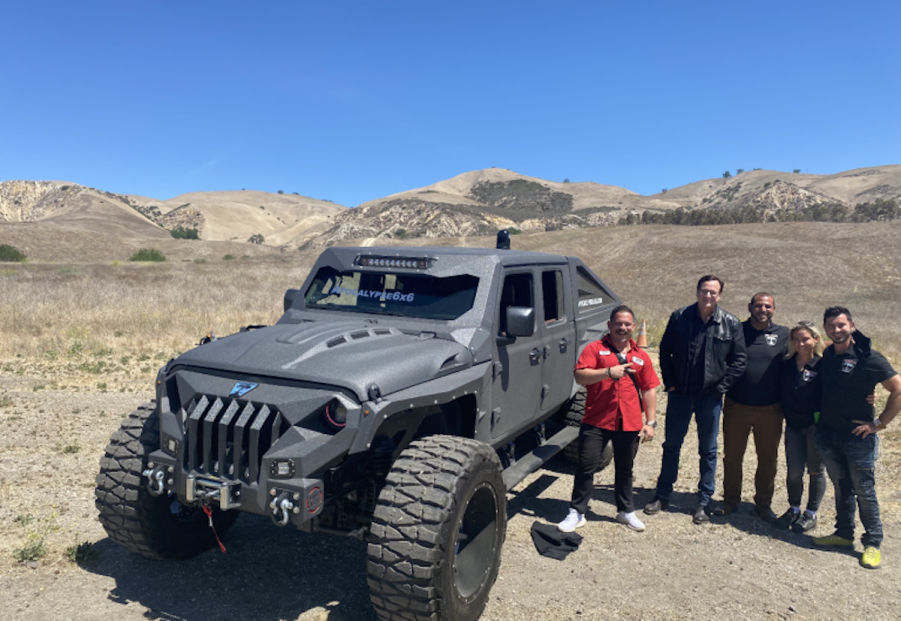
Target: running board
528, 464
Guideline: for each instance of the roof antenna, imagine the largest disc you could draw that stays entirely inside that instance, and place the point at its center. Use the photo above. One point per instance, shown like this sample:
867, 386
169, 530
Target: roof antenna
503, 239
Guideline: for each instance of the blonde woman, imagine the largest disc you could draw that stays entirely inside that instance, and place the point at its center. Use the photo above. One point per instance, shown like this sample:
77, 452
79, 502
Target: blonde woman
801, 390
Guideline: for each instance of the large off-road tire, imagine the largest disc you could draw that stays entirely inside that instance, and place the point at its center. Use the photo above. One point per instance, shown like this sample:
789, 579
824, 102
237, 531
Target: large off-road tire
436, 536
574, 412
154, 526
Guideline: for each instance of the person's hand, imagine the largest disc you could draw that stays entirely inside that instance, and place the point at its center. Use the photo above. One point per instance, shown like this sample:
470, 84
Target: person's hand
871, 398
646, 434
671, 389
864, 428
620, 370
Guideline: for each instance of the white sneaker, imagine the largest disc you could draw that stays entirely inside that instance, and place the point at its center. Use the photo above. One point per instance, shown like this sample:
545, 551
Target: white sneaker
631, 520
573, 521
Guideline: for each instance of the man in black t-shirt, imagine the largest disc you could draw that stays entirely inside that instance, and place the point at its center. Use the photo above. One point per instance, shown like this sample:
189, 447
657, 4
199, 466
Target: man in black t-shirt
753, 406
846, 432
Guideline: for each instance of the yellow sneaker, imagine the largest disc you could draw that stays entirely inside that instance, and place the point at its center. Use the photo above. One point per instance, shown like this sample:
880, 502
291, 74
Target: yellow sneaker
871, 558
833, 541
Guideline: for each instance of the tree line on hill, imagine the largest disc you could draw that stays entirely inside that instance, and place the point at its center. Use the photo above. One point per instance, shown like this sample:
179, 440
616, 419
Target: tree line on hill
877, 211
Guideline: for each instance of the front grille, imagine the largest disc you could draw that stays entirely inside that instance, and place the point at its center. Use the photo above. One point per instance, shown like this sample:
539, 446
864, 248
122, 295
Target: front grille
228, 437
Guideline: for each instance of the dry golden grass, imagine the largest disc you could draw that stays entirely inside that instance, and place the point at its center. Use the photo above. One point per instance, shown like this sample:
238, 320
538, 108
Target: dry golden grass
57, 311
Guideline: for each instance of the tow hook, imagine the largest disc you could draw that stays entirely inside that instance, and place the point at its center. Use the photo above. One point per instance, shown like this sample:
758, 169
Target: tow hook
282, 507
155, 479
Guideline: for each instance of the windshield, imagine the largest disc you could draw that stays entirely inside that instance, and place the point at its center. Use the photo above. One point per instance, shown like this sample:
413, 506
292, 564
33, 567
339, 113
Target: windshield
405, 295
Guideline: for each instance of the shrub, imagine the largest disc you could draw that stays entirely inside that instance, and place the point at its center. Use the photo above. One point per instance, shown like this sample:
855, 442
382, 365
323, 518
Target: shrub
180, 232
727, 174
514, 231
148, 254
11, 254
82, 553
228, 257
200, 261
281, 191
256, 239
400, 233
34, 549
796, 170
739, 171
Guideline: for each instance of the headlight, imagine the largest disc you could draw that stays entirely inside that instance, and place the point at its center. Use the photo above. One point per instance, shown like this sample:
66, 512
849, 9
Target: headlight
336, 414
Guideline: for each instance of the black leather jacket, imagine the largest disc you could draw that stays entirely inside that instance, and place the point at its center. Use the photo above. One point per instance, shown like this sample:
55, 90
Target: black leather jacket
724, 353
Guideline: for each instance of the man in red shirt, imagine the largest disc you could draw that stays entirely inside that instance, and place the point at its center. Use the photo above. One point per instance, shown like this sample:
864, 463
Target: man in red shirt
614, 370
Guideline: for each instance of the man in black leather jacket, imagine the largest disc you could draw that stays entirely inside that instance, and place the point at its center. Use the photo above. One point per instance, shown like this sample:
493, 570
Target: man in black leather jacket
702, 354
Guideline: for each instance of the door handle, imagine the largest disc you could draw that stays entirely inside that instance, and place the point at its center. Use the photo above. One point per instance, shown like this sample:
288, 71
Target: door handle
535, 354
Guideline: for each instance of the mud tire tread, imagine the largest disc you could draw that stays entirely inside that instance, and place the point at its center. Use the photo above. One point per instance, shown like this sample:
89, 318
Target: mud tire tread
131, 516
409, 538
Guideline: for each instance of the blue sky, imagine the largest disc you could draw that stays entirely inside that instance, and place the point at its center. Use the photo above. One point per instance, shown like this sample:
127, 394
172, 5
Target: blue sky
351, 101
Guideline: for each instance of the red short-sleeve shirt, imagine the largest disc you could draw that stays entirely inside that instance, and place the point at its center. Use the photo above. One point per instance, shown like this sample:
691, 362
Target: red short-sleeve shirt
613, 404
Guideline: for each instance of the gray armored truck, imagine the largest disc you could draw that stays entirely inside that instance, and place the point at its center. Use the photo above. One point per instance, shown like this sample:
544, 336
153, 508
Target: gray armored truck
401, 395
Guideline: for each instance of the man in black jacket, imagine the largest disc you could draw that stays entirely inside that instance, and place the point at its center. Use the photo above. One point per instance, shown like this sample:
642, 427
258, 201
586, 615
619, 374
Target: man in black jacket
702, 354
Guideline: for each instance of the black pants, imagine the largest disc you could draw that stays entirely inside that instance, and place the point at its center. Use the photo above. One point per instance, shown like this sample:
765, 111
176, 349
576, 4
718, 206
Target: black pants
592, 442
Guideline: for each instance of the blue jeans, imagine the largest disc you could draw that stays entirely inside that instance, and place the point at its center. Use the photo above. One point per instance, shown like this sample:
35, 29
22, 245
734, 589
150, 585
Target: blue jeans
679, 408
800, 452
851, 463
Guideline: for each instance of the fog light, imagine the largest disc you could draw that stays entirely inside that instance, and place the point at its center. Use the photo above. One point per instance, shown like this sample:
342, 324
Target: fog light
282, 468
170, 445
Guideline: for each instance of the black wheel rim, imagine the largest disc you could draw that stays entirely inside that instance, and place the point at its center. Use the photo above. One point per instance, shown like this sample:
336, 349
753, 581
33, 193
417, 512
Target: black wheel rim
476, 542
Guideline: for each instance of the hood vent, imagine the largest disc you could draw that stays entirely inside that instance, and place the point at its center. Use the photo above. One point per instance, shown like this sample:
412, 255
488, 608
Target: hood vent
336, 341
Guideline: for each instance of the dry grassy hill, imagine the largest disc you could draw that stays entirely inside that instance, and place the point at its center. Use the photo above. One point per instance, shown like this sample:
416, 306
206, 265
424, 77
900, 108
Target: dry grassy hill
478, 202
52, 218
60, 221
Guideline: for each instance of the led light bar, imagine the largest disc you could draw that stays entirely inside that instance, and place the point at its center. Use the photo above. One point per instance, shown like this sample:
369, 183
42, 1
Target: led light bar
408, 263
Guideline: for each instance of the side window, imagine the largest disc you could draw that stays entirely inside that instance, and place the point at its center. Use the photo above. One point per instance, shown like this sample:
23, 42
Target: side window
552, 291
590, 292
517, 291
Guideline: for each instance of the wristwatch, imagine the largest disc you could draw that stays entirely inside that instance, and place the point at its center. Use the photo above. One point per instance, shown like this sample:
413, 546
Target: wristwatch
652, 424
879, 424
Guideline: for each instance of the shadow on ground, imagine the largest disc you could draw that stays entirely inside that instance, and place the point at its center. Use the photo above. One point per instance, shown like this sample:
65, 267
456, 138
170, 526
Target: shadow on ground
268, 573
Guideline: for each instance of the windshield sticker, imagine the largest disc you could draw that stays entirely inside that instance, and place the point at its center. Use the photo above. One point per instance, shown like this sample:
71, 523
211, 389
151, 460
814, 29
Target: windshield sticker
395, 296
591, 302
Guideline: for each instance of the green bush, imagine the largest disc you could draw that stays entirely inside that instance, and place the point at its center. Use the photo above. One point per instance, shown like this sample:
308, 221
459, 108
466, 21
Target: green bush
11, 254
400, 233
148, 254
256, 239
180, 232
228, 257
514, 231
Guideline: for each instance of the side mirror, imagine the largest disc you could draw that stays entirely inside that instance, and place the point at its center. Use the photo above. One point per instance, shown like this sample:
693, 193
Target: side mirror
520, 321
290, 294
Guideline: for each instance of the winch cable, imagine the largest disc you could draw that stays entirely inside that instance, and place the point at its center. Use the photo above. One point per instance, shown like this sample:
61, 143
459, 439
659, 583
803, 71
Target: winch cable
209, 515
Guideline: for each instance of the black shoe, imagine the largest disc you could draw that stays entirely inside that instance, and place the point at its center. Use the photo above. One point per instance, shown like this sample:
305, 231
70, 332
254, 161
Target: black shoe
804, 523
700, 516
725, 508
787, 519
766, 514
656, 506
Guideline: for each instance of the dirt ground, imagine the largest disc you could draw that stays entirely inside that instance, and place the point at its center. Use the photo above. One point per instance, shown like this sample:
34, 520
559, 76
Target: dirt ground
736, 568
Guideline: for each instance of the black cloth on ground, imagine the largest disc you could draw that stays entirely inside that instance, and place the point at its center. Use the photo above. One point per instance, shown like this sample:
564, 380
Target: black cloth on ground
550, 542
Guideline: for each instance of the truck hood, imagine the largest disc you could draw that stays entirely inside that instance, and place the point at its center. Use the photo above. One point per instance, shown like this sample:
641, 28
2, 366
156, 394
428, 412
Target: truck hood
354, 355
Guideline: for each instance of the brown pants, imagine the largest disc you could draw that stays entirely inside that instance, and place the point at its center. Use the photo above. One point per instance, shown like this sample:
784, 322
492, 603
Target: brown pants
739, 421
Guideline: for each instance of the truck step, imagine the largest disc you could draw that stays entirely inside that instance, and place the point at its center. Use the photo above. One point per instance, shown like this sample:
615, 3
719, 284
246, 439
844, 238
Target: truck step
528, 464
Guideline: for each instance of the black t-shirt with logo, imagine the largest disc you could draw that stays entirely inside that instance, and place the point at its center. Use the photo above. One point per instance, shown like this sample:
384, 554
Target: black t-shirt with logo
766, 349
847, 381
801, 393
